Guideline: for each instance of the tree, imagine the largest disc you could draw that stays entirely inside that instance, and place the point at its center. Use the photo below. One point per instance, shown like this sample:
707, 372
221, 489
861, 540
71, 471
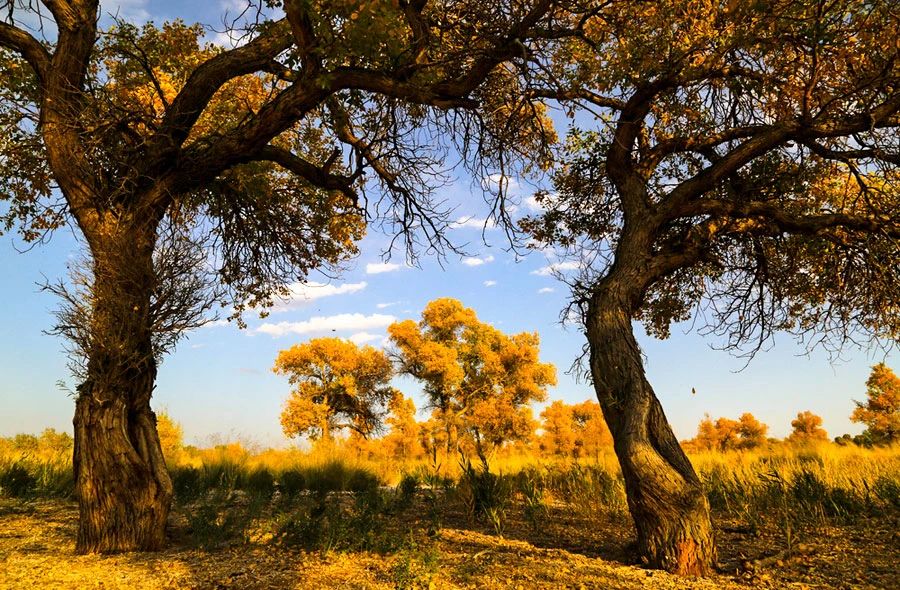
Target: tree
199, 175
479, 381
744, 162
807, 429
337, 385
881, 411
557, 430
171, 437
576, 430
403, 441
591, 433
726, 434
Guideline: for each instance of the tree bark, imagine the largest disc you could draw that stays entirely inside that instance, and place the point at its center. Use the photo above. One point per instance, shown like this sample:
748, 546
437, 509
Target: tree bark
665, 497
122, 484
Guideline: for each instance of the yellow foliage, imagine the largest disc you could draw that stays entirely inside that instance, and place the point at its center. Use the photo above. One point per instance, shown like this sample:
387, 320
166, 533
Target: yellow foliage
338, 385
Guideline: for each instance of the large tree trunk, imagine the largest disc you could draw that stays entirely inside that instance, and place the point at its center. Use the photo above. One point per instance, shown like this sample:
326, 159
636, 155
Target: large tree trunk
665, 496
122, 484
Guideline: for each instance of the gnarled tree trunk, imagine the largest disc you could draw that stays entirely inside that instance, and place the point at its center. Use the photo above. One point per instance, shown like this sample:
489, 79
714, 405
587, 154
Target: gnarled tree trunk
122, 484
665, 496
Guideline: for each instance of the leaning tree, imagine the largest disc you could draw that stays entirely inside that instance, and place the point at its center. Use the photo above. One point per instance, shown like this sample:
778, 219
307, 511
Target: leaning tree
737, 162
198, 174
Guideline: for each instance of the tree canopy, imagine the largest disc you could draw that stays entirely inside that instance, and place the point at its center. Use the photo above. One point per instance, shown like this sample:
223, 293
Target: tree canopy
881, 410
478, 380
748, 152
807, 428
337, 385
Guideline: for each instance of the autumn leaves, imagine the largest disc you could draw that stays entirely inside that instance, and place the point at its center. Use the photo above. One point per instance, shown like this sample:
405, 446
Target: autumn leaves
478, 382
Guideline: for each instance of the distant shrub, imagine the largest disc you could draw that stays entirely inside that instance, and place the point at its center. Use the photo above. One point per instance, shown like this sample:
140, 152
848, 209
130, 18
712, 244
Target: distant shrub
16, 481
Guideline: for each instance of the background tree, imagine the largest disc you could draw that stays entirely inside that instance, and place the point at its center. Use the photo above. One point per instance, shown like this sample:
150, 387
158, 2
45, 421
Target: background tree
807, 429
167, 153
403, 440
881, 410
739, 158
591, 433
726, 434
557, 430
479, 381
171, 437
576, 430
337, 386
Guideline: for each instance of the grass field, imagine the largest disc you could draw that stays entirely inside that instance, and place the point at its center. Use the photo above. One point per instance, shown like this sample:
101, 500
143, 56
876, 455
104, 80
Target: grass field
823, 516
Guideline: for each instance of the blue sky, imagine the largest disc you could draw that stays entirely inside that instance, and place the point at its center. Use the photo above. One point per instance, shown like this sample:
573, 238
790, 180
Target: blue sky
219, 382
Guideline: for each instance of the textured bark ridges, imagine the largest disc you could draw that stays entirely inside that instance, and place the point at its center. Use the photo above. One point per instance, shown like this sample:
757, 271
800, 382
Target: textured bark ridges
121, 480
665, 497
124, 491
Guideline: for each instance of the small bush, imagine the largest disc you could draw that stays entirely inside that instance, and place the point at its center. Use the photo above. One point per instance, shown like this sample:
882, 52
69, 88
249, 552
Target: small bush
888, 491
485, 495
260, 483
16, 481
291, 482
187, 483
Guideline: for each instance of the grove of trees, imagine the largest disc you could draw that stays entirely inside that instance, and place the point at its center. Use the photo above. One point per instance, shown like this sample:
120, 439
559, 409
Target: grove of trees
881, 410
735, 162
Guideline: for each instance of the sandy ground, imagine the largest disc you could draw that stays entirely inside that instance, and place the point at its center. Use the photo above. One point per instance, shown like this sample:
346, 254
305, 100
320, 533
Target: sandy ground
37, 551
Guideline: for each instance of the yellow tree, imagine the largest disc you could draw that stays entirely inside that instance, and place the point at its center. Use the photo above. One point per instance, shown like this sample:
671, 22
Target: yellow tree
337, 386
198, 175
478, 380
557, 430
881, 410
171, 437
726, 434
807, 429
404, 439
737, 157
591, 433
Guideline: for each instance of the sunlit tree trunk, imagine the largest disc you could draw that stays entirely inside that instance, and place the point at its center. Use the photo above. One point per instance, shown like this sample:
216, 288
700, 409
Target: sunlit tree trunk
665, 496
122, 484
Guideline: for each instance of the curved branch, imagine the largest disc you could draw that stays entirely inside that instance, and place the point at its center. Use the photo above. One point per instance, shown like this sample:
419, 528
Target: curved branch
206, 80
26, 46
316, 175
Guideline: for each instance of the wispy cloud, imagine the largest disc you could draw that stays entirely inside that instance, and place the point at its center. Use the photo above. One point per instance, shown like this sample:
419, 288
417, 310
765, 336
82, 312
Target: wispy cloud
474, 261
474, 223
546, 290
490, 283
386, 305
344, 322
130, 10
302, 294
495, 182
556, 267
377, 268
363, 337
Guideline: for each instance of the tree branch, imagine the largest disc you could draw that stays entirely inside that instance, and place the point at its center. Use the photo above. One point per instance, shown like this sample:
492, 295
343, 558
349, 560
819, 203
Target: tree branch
26, 46
316, 175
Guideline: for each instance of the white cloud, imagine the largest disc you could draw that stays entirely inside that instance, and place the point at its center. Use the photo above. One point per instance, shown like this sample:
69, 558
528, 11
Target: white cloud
130, 10
363, 337
474, 223
215, 324
556, 267
303, 293
490, 283
355, 322
493, 183
376, 268
546, 290
473, 261
531, 203
386, 305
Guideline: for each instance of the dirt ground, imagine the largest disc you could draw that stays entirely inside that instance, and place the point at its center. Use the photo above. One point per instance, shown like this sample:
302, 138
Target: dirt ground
37, 551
